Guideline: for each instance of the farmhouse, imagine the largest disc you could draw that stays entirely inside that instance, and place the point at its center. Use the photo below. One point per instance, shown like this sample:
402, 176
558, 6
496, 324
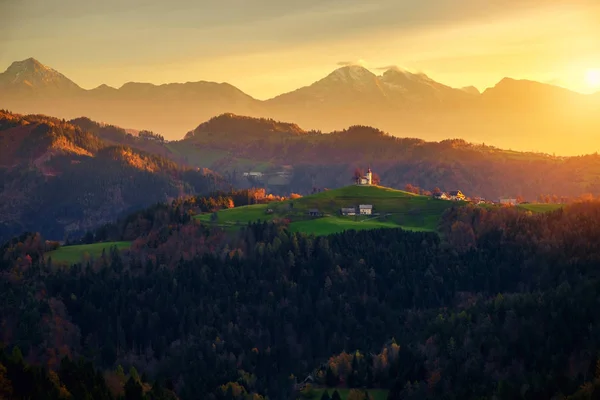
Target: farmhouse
365, 180
314, 212
456, 195
302, 385
365, 209
508, 201
441, 196
253, 174
348, 210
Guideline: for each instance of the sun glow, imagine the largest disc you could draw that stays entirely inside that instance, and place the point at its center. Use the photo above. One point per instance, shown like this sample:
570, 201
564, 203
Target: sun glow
592, 77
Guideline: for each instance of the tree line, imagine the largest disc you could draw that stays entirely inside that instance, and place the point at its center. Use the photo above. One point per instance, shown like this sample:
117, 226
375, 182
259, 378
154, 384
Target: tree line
502, 307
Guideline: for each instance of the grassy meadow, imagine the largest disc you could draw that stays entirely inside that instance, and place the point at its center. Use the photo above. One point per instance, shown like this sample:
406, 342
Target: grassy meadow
397, 209
76, 253
316, 393
540, 208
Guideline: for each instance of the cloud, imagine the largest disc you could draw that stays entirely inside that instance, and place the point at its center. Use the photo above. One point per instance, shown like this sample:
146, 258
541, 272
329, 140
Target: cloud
360, 62
387, 67
415, 71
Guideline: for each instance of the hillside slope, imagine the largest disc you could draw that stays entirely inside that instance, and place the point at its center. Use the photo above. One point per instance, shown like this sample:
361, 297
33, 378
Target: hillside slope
236, 145
59, 179
391, 209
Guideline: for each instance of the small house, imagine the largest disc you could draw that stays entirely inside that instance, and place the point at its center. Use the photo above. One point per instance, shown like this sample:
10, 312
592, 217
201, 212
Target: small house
441, 196
457, 195
508, 201
314, 212
365, 209
348, 211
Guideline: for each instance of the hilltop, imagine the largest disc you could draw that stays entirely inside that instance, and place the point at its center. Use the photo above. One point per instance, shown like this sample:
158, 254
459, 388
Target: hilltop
391, 209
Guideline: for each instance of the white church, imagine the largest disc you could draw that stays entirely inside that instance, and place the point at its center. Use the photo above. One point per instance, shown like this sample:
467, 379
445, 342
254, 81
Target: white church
366, 180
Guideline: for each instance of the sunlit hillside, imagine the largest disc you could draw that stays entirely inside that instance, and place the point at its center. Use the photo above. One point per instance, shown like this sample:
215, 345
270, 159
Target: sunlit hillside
391, 209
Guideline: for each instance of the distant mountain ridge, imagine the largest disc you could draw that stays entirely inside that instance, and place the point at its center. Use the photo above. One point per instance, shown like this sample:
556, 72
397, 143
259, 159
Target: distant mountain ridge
518, 114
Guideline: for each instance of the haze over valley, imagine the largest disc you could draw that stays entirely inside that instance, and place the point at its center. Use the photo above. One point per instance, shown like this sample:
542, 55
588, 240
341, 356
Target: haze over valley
514, 114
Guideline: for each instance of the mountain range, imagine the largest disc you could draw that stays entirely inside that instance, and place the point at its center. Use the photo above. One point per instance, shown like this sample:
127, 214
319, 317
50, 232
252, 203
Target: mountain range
516, 114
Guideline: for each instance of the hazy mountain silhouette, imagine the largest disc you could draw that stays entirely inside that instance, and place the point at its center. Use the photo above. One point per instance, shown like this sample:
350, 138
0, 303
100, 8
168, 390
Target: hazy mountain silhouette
517, 114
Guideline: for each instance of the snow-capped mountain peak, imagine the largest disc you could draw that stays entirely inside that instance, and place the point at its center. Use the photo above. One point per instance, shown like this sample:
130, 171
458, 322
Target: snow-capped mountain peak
351, 73
30, 73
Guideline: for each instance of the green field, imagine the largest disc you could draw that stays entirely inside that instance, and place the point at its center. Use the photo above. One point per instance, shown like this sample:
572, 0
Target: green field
397, 209
540, 208
240, 215
330, 225
76, 253
316, 393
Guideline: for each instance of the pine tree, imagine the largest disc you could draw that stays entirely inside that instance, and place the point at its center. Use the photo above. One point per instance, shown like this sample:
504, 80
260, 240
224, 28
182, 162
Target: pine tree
133, 390
330, 378
134, 374
325, 396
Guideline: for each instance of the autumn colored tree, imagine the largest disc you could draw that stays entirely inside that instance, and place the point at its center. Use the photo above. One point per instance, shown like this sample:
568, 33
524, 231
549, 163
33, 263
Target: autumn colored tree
375, 180
520, 199
412, 189
358, 173
6, 389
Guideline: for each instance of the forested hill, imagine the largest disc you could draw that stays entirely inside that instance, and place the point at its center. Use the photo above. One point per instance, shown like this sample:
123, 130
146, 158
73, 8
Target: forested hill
143, 140
232, 145
61, 180
73, 379
504, 307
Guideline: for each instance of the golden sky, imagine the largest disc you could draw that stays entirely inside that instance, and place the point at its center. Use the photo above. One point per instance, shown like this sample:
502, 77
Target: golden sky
267, 47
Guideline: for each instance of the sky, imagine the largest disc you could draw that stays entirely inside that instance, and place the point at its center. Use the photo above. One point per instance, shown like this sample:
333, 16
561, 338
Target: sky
267, 47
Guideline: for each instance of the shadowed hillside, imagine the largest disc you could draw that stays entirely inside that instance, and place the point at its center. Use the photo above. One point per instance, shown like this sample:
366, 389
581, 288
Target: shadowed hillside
59, 179
233, 145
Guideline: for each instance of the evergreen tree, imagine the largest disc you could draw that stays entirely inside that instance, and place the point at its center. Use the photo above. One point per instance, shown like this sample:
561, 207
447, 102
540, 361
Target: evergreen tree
330, 379
325, 395
133, 390
134, 374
